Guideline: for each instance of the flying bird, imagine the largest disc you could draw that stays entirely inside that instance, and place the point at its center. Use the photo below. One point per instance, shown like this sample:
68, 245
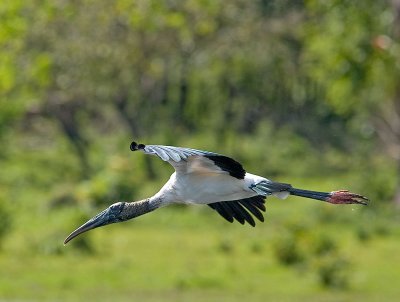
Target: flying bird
203, 177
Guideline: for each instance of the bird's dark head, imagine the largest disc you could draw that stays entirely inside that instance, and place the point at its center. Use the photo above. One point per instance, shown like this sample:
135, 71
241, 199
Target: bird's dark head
112, 214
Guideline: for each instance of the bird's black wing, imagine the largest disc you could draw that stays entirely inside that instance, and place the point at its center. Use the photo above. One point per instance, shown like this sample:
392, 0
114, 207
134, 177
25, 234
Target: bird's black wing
240, 209
186, 160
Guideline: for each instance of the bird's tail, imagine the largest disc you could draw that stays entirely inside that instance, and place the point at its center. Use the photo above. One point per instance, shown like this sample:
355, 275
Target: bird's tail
282, 190
335, 197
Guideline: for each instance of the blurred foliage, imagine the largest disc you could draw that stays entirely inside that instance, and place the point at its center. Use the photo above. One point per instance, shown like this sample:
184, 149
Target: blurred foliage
5, 221
305, 92
304, 247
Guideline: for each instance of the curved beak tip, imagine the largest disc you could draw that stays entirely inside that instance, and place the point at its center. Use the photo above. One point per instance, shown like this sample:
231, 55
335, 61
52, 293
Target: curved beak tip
68, 239
72, 236
89, 225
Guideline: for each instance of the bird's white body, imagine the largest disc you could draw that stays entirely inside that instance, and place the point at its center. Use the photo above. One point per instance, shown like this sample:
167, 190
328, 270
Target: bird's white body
206, 188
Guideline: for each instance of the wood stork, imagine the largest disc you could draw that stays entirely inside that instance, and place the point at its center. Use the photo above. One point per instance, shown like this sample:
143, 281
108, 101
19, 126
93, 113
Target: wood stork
203, 177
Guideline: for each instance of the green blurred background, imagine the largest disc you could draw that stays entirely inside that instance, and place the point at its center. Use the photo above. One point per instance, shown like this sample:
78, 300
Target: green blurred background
304, 92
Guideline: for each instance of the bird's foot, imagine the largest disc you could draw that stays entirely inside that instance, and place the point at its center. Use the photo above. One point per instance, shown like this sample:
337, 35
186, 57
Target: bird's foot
346, 197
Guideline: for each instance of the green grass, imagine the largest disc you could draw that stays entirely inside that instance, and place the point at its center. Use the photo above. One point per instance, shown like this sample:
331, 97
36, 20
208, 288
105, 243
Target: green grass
191, 254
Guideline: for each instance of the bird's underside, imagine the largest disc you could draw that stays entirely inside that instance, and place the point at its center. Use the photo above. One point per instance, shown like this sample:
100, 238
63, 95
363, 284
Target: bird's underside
204, 177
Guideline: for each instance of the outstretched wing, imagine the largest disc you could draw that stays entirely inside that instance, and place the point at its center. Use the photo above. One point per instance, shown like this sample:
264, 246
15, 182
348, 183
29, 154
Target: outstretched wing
186, 160
241, 209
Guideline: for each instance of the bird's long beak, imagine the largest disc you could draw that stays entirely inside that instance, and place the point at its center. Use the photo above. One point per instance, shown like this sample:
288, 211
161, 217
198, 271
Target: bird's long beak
95, 222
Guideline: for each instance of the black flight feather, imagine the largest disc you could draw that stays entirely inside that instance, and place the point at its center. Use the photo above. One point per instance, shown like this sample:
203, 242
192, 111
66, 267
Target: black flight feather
222, 211
228, 164
236, 209
252, 209
242, 212
237, 214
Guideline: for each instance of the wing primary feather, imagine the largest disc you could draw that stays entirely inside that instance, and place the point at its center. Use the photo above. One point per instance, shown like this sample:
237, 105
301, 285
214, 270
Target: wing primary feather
221, 210
162, 154
235, 212
242, 212
175, 156
259, 202
252, 209
228, 210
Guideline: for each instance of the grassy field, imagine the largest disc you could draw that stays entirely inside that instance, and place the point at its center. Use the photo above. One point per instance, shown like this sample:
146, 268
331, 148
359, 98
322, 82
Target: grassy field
191, 254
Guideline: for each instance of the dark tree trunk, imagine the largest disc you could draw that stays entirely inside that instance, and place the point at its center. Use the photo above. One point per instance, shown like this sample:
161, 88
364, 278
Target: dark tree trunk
122, 108
65, 113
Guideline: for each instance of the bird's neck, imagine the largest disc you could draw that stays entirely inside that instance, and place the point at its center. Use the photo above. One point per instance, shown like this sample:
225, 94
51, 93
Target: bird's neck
137, 208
